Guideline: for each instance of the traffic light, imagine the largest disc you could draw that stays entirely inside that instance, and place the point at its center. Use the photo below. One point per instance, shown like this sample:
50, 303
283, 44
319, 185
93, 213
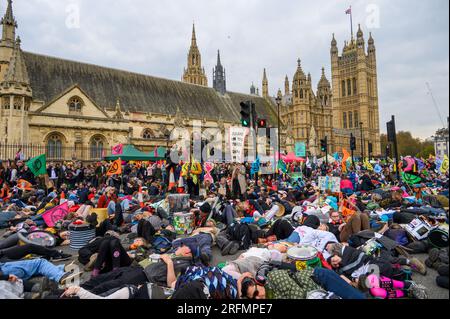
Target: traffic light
352, 143
246, 110
324, 145
262, 123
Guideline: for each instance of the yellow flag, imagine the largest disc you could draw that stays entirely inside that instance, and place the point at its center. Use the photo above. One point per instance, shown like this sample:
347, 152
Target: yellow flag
444, 165
368, 165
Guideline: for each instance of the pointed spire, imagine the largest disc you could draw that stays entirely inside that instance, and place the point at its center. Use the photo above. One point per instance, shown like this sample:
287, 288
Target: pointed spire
218, 58
371, 40
17, 71
359, 34
265, 85
323, 83
9, 16
286, 86
194, 37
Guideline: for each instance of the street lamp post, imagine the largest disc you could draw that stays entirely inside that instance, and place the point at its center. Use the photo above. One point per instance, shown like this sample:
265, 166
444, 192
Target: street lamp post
362, 140
278, 101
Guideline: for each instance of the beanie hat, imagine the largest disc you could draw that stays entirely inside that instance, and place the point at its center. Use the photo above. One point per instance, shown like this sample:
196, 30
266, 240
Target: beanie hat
205, 208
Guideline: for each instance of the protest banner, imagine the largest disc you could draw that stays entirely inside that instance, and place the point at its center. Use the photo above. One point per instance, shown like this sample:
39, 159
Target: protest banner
300, 149
330, 183
237, 143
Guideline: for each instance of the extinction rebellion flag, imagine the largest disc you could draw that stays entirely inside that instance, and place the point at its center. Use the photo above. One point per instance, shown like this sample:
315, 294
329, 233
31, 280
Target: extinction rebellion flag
115, 168
38, 165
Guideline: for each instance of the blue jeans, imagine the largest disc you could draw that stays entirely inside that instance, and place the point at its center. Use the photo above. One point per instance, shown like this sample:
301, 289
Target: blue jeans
5, 217
293, 238
26, 269
332, 282
125, 204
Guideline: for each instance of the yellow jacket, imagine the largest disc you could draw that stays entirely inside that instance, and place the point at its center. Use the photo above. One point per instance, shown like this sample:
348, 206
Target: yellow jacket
196, 170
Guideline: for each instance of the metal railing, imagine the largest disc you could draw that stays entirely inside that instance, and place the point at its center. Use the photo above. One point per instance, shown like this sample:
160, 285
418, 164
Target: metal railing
54, 153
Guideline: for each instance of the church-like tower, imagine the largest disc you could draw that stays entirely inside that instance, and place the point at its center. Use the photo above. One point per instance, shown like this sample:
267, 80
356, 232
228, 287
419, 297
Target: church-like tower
9, 25
195, 73
15, 97
355, 93
219, 77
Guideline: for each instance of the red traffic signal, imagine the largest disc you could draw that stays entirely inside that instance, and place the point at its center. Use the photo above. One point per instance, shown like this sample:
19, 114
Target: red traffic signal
262, 123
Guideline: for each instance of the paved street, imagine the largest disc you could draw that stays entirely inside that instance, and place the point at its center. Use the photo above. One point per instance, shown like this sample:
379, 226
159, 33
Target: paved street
428, 281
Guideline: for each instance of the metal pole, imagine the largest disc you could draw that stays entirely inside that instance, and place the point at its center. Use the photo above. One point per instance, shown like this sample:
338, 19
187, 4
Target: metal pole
362, 141
353, 158
396, 147
326, 150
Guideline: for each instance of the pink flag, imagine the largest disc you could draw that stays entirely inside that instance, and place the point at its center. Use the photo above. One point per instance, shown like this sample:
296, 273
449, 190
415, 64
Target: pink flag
348, 11
52, 216
117, 150
208, 168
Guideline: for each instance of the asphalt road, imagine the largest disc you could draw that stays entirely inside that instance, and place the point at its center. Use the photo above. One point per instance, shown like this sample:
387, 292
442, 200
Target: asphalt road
428, 281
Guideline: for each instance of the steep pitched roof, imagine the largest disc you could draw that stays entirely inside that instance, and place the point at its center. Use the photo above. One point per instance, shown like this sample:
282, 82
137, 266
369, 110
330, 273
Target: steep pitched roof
50, 76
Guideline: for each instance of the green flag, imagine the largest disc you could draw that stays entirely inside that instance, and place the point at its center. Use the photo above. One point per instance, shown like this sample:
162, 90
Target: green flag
38, 165
411, 179
282, 166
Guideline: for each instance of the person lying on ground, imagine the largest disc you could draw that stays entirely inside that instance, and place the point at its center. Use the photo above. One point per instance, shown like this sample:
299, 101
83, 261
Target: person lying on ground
26, 269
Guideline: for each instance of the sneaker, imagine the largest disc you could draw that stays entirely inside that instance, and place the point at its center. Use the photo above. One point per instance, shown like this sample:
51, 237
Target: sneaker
68, 276
61, 257
417, 291
418, 266
90, 265
234, 248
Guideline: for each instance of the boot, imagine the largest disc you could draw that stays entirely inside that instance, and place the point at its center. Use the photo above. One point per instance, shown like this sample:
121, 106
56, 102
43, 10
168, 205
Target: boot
222, 242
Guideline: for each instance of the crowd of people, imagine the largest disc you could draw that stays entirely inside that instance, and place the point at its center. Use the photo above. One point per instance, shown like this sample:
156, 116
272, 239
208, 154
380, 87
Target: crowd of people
282, 235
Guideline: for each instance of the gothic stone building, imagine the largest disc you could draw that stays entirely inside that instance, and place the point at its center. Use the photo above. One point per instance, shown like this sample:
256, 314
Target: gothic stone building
347, 106
74, 110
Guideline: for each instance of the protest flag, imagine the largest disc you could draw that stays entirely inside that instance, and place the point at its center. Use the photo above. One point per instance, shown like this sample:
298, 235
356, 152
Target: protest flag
444, 165
115, 168
38, 165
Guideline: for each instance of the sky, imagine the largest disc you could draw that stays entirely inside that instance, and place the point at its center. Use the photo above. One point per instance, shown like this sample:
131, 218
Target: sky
153, 37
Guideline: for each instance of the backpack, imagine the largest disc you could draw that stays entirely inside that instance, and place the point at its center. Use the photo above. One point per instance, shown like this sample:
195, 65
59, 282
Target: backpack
242, 234
161, 245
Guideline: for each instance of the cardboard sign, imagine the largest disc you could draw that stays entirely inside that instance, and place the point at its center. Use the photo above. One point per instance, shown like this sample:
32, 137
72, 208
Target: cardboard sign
237, 143
330, 183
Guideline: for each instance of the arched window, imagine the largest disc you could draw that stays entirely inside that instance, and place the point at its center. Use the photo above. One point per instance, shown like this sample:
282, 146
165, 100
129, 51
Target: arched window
6, 102
350, 120
148, 134
17, 103
343, 88
345, 120
349, 87
296, 93
356, 116
96, 147
75, 104
301, 94
355, 89
54, 147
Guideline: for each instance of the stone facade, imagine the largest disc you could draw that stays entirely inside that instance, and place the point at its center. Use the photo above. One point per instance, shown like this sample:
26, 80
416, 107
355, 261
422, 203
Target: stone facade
74, 110
349, 105
355, 94
306, 114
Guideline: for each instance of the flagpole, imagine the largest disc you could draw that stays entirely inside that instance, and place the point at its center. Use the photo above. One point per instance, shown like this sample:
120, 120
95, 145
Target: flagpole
351, 21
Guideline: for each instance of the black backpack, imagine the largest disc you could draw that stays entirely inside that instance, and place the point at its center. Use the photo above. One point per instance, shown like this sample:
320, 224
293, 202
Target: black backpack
240, 233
